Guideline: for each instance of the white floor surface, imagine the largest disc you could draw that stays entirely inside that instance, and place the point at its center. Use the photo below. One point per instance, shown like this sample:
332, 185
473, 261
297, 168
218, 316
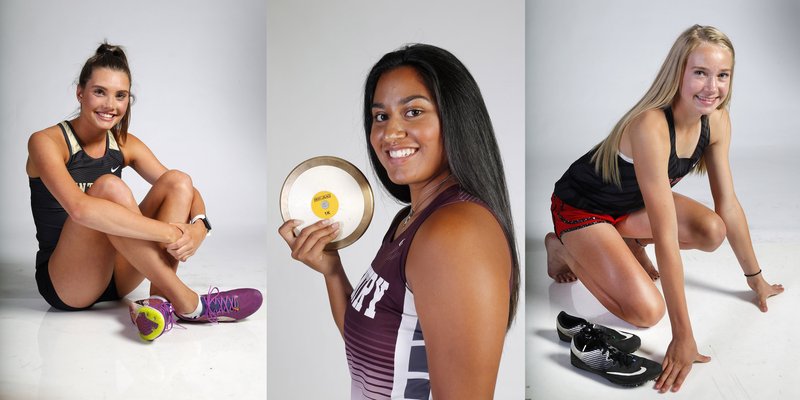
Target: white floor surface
97, 354
752, 353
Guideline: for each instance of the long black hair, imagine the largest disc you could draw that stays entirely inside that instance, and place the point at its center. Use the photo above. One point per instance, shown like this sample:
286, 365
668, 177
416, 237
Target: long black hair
112, 57
469, 141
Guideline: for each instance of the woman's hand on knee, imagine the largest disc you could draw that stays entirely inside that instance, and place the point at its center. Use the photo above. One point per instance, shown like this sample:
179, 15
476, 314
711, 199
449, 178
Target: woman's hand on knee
308, 246
188, 243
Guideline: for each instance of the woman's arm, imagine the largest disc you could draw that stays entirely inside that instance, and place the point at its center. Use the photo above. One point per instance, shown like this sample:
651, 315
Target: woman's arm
727, 206
47, 156
139, 157
650, 144
308, 247
459, 269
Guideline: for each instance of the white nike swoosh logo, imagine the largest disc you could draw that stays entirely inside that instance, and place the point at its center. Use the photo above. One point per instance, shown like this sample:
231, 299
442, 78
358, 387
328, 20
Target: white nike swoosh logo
639, 372
401, 243
114, 169
626, 334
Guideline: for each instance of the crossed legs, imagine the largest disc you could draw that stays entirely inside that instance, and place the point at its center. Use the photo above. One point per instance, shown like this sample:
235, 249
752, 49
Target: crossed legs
600, 257
85, 259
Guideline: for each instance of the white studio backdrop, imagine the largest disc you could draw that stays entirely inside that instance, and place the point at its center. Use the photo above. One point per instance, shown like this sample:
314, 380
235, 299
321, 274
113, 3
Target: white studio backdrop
318, 56
589, 62
200, 85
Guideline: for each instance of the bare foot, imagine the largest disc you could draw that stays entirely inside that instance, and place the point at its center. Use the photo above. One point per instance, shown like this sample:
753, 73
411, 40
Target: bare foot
641, 256
557, 268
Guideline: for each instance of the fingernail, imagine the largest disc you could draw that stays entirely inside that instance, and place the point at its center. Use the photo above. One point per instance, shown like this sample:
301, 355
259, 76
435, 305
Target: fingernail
335, 225
326, 222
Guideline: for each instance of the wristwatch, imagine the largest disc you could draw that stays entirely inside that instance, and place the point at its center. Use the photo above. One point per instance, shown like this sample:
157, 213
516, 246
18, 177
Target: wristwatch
202, 217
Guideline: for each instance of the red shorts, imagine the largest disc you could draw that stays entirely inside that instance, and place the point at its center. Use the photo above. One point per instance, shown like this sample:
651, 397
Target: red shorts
567, 218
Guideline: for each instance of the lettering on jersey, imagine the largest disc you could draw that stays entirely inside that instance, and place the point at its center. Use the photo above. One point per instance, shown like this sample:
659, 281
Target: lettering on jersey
84, 186
370, 283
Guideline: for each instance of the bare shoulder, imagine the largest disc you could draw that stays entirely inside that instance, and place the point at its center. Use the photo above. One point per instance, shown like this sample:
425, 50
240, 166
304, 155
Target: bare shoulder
51, 133
47, 145
462, 236
131, 141
48, 139
132, 148
454, 224
719, 123
649, 127
650, 122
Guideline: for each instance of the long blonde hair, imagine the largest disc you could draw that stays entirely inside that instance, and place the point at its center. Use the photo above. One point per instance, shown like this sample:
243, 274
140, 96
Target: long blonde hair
662, 92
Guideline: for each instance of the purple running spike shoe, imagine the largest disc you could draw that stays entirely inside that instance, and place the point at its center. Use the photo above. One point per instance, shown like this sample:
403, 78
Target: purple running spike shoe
152, 317
228, 306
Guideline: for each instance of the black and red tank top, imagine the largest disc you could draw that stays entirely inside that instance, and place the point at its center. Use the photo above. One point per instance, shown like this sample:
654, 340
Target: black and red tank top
583, 187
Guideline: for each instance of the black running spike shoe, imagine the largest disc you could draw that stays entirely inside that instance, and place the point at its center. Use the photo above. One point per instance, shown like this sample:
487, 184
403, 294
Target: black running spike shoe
591, 352
568, 326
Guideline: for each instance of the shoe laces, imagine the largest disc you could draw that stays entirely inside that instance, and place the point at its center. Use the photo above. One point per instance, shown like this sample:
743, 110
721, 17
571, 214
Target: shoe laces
219, 304
167, 311
614, 354
611, 353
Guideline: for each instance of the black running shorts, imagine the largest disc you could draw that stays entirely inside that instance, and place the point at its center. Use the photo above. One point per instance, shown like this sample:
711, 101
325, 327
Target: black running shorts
49, 294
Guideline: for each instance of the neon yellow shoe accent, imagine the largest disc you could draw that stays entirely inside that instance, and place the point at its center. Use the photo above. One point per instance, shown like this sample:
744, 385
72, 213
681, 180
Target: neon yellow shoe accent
150, 323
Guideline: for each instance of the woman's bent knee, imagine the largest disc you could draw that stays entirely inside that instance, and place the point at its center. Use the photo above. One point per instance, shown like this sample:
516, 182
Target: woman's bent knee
176, 181
112, 188
711, 233
645, 314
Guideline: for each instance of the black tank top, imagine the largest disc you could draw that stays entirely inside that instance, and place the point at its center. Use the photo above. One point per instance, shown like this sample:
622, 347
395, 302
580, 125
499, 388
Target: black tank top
48, 215
582, 187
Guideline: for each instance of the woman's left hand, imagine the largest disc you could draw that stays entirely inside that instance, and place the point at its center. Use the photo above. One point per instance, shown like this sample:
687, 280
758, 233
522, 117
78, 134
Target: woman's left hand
678, 360
188, 243
763, 290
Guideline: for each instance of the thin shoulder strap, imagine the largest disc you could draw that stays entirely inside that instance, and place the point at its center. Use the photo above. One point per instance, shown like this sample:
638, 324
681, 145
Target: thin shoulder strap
705, 128
705, 137
111, 141
69, 136
671, 123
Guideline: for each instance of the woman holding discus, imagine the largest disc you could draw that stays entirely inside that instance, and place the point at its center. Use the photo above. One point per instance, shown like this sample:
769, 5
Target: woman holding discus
95, 242
617, 198
429, 317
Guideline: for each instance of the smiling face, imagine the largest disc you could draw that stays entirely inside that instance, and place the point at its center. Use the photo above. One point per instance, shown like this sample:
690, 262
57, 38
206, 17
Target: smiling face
406, 132
105, 98
706, 78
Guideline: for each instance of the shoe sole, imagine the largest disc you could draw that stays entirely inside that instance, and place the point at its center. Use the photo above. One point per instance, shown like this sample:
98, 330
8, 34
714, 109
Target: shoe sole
147, 314
578, 363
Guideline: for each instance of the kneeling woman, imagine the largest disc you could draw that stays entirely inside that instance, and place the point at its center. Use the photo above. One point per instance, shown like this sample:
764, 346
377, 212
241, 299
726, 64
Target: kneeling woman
95, 242
429, 316
618, 197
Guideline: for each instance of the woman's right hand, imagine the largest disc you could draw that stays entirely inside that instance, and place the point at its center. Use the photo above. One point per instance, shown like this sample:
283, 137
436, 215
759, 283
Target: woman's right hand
308, 246
678, 360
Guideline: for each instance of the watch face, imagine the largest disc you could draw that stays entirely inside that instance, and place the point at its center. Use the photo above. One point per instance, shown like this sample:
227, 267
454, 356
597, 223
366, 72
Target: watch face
206, 223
